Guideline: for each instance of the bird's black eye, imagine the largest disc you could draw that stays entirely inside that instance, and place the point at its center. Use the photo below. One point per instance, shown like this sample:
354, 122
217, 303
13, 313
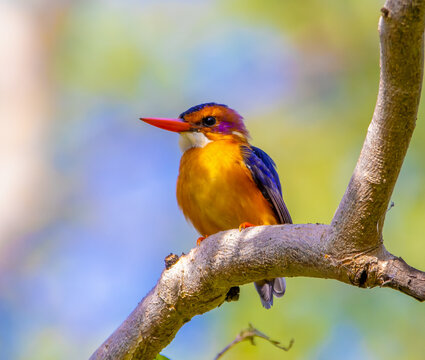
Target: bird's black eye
209, 121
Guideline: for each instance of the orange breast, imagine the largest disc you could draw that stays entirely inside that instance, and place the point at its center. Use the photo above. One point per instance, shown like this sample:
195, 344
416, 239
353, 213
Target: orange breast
216, 192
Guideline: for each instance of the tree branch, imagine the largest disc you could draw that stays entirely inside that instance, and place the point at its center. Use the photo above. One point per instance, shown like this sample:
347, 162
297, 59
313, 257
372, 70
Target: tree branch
360, 216
250, 334
349, 250
200, 280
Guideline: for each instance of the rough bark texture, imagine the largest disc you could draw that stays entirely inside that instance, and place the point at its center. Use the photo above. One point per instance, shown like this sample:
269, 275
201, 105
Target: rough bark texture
360, 216
350, 250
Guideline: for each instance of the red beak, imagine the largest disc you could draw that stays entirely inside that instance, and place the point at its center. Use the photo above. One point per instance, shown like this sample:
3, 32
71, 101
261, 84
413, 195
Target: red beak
176, 125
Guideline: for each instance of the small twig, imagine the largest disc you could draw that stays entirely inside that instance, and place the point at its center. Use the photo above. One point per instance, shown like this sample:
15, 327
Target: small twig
250, 334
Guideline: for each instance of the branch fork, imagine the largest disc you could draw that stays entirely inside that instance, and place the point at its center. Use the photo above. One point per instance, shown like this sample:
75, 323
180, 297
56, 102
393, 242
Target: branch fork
350, 249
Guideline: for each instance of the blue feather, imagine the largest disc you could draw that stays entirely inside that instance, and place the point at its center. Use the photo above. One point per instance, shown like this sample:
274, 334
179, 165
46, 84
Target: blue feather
199, 107
263, 171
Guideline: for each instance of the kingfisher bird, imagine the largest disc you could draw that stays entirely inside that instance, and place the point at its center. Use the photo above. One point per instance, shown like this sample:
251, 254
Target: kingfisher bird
225, 182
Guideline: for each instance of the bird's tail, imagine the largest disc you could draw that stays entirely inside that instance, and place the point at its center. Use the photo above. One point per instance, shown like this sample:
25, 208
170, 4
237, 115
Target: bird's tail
267, 288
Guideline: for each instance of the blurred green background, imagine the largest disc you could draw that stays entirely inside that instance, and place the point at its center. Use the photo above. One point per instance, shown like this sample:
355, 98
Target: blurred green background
88, 208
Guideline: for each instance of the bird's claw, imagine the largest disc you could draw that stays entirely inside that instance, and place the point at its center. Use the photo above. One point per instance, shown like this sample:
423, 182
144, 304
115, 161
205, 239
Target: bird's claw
200, 239
245, 225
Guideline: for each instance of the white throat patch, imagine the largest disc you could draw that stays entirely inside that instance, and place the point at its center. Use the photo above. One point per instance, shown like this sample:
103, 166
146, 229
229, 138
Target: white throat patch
191, 139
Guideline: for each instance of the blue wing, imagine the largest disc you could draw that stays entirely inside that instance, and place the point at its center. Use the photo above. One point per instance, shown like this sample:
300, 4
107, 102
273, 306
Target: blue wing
263, 171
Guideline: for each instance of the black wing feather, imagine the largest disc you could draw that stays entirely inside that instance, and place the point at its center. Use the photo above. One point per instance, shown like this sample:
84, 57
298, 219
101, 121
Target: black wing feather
263, 171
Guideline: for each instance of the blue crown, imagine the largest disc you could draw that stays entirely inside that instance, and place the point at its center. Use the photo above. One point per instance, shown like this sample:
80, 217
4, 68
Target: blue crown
199, 107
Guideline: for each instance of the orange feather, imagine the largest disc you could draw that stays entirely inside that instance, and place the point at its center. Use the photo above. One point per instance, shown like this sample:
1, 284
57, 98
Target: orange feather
215, 189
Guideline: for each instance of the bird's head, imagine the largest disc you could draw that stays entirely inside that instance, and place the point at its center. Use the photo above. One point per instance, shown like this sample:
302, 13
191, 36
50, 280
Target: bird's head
204, 123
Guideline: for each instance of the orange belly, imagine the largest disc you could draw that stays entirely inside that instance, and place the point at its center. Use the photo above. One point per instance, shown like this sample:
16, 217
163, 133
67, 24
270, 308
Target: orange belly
216, 192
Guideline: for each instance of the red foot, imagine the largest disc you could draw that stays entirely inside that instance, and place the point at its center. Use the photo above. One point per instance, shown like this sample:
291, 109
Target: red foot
245, 225
200, 239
